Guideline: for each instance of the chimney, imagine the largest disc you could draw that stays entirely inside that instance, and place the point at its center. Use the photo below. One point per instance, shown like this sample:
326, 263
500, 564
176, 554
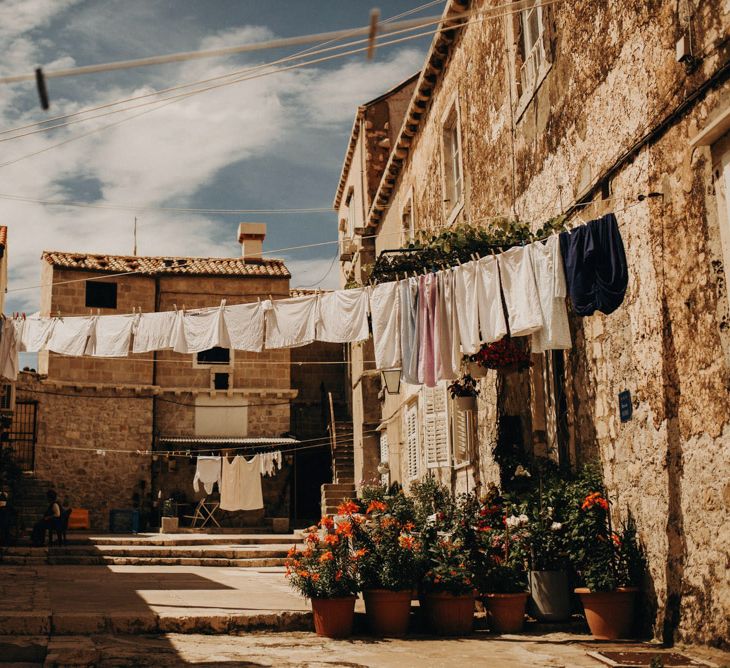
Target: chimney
251, 237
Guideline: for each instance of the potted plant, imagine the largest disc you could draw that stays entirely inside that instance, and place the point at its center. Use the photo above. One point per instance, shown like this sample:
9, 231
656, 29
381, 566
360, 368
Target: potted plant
502, 576
448, 588
464, 392
609, 563
506, 355
386, 564
323, 572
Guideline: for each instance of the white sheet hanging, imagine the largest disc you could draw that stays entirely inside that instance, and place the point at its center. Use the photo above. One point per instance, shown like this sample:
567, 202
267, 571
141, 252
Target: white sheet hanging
245, 325
291, 323
241, 484
343, 316
492, 323
385, 307
547, 263
71, 335
9, 345
154, 331
269, 462
112, 335
199, 330
520, 291
465, 283
36, 333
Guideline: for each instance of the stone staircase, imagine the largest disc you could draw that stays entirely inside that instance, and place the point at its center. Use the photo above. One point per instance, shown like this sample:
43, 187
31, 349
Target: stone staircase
343, 472
240, 551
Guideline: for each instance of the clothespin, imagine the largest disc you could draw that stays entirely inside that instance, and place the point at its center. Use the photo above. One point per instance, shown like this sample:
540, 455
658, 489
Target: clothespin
374, 18
40, 82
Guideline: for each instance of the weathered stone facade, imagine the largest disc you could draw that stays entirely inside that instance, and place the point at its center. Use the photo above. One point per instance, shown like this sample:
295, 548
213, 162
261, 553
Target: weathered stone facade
611, 118
134, 403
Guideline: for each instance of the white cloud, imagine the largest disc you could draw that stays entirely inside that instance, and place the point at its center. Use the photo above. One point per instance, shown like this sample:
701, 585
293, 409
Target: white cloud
165, 157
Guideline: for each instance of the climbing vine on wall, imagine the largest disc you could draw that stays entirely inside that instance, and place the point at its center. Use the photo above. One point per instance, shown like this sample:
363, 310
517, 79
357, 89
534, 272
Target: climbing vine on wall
458, 244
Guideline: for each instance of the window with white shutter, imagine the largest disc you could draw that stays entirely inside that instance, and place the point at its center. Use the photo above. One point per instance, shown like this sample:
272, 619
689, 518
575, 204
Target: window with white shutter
463, 422
384, 456
435, 425
411, 432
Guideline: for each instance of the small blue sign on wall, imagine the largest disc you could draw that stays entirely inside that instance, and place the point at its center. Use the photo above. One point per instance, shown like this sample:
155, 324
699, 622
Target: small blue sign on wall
625, 406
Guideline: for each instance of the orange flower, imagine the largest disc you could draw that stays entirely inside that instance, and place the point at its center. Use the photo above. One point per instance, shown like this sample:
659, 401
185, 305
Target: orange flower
331, 539
376, 506
409, 526
327, 522
594, 499
312, 538
360, 553
347, 508
389, 522
407, 542
326, 556
303, 574
345, 529
338, 576
616, 539
315, 577
292, 551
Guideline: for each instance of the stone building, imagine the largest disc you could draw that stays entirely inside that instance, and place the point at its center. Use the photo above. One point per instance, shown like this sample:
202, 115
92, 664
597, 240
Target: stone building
582, 110
92, 415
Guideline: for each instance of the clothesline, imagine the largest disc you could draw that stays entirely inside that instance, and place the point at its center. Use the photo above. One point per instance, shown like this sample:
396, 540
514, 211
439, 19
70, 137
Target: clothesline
440, 307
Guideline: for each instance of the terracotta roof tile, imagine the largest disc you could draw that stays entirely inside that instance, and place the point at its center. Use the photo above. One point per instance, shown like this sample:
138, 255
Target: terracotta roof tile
193, 266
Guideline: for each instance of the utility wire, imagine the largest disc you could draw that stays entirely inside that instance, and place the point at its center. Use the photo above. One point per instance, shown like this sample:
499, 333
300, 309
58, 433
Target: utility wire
315, 50
382, 28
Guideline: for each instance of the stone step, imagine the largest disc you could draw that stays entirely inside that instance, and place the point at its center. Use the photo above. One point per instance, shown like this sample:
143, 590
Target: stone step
188, 540
338, 486
218, 552
85, 560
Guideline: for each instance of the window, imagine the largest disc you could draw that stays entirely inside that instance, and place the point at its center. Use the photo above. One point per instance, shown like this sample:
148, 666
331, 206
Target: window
221, 381
213, 356
435, 426
532, 47
7, 397
463, 422
409, 224
101, 294
349, 203
411, 432
384, 457
453, 180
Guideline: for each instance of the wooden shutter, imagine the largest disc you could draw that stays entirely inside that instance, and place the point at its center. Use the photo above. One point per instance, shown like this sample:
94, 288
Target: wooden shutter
411, 432
435, 426
463, 437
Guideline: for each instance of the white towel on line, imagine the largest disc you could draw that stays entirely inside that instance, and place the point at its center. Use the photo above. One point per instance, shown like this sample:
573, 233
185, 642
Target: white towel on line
291, 323
71, 335
36, 333
520, 291
245, 325
199, 330
386, 314
111, 335
343, 316
153, 331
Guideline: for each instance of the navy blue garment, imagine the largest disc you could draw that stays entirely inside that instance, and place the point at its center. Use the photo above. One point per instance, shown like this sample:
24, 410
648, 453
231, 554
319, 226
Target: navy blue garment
596, 272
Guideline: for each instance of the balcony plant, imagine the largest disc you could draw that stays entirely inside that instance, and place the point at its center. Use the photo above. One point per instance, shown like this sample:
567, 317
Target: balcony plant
464, 392
610, 564
324, 572
385, 549
505, 355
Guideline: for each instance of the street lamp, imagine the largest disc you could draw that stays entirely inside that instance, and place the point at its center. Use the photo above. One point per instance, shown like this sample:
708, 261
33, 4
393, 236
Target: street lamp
391, 379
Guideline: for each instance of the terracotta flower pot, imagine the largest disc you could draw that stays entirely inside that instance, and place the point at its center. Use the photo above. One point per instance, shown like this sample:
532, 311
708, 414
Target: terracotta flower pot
388, 612
610, 614
506, 611
333, 617
449, 614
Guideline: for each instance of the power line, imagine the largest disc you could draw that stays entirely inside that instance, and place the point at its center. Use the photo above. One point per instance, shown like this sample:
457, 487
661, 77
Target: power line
301, 54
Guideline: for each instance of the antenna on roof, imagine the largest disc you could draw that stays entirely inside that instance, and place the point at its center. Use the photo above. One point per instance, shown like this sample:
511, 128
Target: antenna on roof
135, 236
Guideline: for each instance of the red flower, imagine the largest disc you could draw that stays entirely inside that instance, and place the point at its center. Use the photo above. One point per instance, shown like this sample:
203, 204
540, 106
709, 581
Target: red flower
594, 499
347, 508
376, 506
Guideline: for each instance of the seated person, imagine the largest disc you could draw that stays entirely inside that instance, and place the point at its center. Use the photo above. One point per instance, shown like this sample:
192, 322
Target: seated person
50, 522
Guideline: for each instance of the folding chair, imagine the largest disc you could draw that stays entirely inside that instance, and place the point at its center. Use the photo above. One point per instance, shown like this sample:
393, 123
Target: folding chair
204, 513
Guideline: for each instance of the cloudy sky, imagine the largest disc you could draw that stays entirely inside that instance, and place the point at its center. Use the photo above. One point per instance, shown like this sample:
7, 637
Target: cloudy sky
273, 142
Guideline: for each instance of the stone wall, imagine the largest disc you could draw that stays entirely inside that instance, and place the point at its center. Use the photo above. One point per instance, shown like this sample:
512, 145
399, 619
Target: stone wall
72, 425
612, 78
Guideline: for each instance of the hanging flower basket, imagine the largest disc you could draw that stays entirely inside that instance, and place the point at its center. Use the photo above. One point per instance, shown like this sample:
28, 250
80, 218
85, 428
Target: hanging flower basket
465, 403
507, 355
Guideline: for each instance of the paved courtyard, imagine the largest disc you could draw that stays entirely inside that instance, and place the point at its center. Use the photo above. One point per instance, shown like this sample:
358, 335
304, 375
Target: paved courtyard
206, 616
